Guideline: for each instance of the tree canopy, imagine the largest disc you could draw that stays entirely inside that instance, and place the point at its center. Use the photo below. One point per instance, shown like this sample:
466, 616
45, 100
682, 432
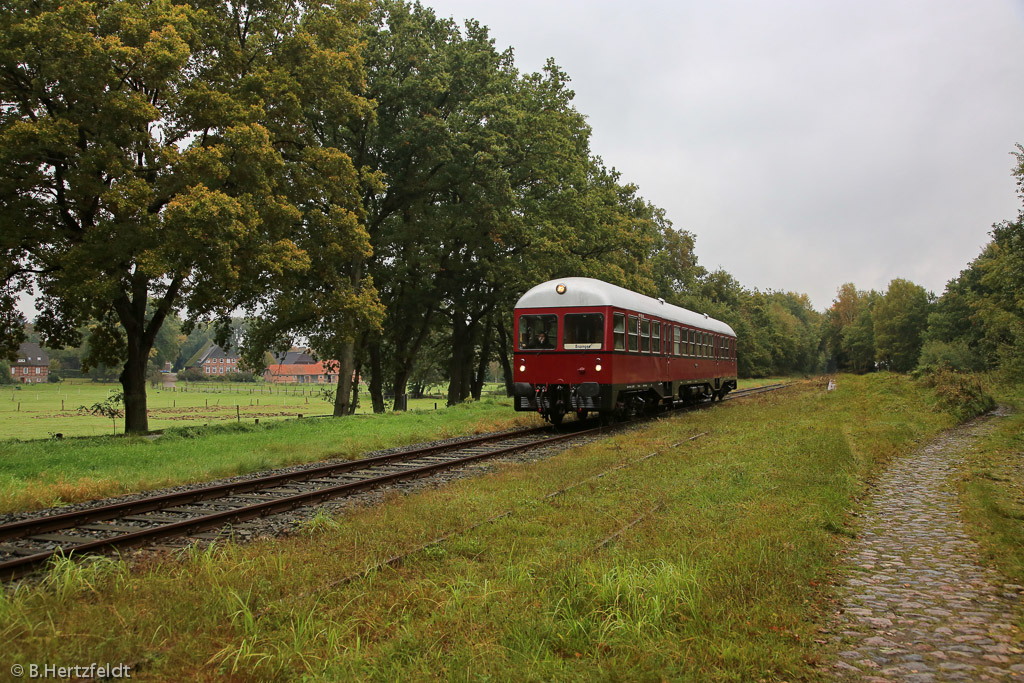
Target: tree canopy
167, 153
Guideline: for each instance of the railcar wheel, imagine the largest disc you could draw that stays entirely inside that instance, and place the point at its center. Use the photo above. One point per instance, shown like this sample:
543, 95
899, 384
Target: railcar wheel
556, 418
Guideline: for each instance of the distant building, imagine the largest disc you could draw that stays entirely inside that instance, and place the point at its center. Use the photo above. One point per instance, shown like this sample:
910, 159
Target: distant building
295, 356
217, 361
314, 372
32, 365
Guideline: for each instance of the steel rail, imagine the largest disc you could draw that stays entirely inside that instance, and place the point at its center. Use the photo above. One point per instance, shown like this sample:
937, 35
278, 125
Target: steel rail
67, 520
20, 566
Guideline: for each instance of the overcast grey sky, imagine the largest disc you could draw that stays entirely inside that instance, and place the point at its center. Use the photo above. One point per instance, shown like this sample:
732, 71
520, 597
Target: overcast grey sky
806, 144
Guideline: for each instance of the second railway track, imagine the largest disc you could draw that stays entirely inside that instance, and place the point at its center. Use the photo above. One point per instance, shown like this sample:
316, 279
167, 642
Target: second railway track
26, 544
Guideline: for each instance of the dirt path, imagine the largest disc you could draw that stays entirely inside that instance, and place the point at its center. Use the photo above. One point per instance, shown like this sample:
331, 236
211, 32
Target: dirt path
915, 604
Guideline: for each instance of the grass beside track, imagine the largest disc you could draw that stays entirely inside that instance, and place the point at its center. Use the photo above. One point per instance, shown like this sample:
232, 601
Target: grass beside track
41, 473
36, 474
992, 488
721, 578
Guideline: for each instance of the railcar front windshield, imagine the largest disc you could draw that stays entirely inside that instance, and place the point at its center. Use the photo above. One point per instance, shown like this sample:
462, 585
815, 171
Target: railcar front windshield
538, 331
584, 331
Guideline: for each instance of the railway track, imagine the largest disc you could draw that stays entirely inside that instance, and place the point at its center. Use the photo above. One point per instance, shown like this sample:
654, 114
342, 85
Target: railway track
28, 543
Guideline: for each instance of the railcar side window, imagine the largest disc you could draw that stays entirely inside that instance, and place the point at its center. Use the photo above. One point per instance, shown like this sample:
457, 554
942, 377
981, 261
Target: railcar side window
634, 333
538, 331
675, 344
619, 331
692, 351
645, 336
583, 331
656, 336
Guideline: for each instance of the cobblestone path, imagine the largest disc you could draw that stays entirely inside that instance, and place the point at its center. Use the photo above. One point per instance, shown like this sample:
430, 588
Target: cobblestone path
916, 604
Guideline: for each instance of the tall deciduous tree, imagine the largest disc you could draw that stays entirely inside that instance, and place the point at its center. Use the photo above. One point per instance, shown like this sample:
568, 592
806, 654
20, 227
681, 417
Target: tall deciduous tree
899, 317
152, 150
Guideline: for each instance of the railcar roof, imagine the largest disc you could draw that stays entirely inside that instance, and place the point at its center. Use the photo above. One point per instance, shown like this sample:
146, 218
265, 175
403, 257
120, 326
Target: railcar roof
585, 291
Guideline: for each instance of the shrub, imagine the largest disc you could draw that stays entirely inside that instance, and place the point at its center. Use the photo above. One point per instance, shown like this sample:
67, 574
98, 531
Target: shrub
233, 377
192, 375
960, 394
955, 355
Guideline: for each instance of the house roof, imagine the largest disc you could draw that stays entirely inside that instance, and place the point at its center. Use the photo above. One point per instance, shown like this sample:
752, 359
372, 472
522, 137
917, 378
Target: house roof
30, 353
214, 352
290, 369
295, 356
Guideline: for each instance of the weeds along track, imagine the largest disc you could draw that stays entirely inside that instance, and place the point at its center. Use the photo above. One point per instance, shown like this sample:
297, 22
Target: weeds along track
27, 544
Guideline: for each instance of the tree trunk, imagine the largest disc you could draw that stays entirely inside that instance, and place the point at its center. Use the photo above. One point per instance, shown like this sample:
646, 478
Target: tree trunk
355, 388
140, 336
406, 344
460, 369
376, 381
346, 395
346, 366
456, 365
477, 387
401, 382
506, 365
133, 382
417, 389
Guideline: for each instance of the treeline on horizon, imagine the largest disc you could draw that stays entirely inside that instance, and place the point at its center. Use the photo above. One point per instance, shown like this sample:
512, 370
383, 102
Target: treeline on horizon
376, 181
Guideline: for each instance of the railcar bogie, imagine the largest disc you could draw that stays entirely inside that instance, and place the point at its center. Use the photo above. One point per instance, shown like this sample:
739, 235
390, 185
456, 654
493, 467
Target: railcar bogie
584, 346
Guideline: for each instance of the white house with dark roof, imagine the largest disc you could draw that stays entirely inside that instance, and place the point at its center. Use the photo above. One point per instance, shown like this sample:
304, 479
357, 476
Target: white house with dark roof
32, 365
217, 361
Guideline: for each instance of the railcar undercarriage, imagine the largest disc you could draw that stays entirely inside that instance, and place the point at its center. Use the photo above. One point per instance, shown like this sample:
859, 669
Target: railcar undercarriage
554, 401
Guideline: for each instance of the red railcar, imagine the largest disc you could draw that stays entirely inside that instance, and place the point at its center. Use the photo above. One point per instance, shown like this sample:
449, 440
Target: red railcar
583, 346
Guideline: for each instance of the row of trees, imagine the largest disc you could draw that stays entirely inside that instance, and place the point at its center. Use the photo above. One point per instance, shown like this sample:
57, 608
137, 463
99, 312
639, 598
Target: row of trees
367, 178
865, 330
977, 323
372, 179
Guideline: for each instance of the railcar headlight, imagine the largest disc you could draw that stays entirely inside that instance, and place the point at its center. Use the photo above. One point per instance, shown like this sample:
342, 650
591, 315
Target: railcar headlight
597, 368
522, 367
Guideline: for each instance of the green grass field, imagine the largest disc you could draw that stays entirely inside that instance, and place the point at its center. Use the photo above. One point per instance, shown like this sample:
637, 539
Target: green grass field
36, 473
717, 569
37, 411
